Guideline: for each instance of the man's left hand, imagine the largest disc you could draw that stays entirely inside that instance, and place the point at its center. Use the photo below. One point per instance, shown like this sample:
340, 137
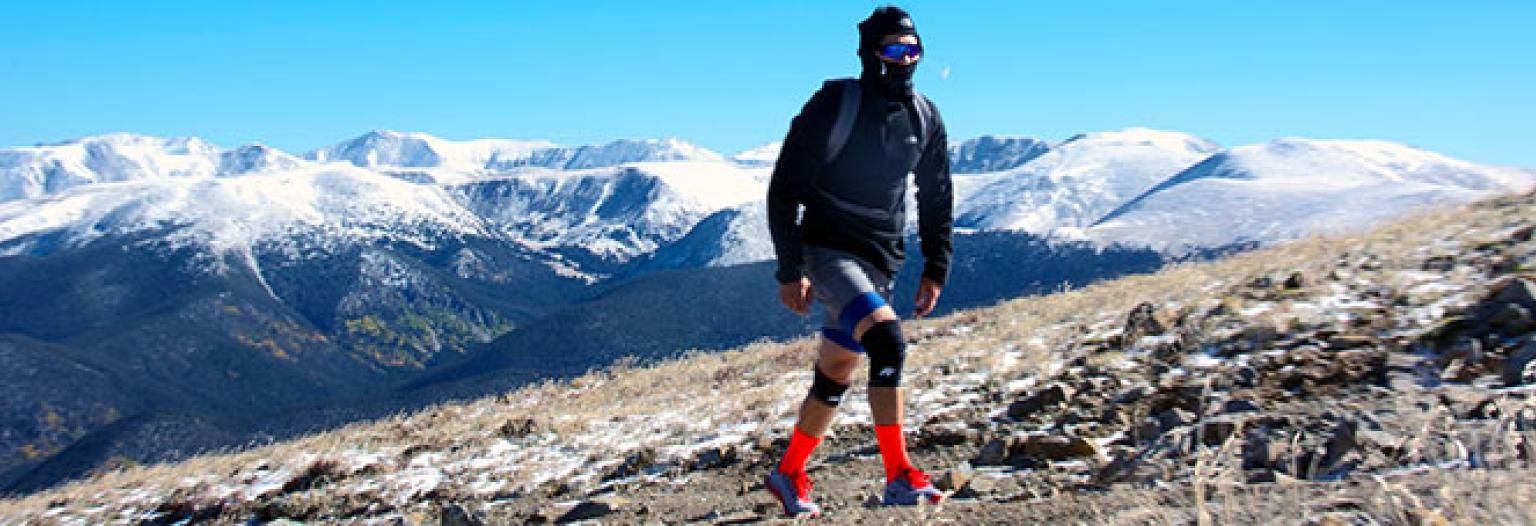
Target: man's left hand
927, 296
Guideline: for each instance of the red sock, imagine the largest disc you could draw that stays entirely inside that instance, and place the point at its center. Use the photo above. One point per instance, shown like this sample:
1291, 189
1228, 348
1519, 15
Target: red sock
893, 450
800, 447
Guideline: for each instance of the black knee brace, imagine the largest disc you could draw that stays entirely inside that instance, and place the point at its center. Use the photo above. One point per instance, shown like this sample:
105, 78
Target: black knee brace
827, 390
887, 351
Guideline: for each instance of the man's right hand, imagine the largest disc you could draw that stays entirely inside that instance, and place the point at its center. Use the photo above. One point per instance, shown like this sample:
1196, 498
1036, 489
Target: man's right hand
796, 295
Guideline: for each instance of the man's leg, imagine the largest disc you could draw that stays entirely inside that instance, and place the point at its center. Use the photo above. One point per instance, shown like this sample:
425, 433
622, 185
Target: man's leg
880, 334
834, 366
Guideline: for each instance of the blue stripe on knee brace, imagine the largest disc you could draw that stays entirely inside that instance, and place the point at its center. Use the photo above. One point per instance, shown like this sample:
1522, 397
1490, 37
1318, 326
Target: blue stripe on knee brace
857, 309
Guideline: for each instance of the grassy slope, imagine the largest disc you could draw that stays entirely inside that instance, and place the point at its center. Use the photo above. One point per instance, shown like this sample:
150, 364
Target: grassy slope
753, 389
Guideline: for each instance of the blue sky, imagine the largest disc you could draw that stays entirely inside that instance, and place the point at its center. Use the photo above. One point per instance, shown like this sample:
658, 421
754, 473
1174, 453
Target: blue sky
1452, 77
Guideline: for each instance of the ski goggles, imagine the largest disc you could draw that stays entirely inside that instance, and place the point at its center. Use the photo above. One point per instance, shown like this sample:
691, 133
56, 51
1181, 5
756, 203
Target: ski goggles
899, 51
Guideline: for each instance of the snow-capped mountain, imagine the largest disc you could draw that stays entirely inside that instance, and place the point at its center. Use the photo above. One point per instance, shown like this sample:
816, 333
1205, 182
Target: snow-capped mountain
598, 156
732, 236
232, 214
28, 172
990, 153
765, 155
1077, 181
1293, 187
387, 148
612, 214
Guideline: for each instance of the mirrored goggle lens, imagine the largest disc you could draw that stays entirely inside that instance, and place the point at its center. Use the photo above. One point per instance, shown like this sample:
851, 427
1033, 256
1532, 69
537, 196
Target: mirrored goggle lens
901, 51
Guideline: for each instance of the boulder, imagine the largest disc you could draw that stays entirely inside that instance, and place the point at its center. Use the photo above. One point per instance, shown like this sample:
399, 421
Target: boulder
1054, 447
456, 515
1517, 368
955, 479
1048, 397
1516, 291
995, 453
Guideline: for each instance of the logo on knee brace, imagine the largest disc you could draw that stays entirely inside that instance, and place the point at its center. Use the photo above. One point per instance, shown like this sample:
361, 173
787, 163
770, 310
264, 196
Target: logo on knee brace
888, 372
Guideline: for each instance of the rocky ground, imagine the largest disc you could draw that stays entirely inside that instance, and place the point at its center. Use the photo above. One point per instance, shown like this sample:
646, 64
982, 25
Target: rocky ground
1384, 378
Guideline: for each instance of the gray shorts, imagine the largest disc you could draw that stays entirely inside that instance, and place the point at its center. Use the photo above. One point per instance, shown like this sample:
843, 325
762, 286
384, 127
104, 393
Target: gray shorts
849, 288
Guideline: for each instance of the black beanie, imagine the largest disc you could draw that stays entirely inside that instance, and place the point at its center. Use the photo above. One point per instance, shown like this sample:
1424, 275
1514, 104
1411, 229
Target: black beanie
888, 20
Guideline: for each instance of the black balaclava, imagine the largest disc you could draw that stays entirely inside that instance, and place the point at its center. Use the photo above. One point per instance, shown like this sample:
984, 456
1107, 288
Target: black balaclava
893, 80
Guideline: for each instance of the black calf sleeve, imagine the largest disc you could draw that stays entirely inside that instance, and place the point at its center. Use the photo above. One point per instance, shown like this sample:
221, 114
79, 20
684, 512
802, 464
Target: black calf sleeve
827, 390
887, 351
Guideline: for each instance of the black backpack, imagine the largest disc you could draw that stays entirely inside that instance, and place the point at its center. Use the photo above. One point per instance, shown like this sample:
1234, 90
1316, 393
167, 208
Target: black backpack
848, 112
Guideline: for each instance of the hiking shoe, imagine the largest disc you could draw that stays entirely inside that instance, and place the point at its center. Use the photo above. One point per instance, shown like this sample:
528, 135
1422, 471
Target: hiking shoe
911, 488
793, 491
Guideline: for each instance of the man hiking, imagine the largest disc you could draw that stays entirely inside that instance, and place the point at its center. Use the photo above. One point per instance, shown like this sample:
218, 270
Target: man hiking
846, 159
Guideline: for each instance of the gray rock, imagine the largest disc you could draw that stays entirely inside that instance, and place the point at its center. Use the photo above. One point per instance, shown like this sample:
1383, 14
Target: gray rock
589, 510
1440, 263
1174, 418
1215, 431
1050, 396
1513, 320
995, 453
1516, 366
1259, 451
1340, 442
1142, 322
955, 478
1517, 291
456, 515
1054, 447
1240, 406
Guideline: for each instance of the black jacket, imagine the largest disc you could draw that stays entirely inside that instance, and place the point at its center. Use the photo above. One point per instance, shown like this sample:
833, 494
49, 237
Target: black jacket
857, 202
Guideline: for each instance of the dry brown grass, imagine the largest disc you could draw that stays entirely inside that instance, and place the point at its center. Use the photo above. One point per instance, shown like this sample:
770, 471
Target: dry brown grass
763, 382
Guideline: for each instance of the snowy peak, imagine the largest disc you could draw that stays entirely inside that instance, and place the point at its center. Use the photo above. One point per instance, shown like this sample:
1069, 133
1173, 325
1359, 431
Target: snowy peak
765, 155
388, 148
1292, 187
392, 149
46, 169
1142, 138
1077, 181
599, 156
990, 153
253, 158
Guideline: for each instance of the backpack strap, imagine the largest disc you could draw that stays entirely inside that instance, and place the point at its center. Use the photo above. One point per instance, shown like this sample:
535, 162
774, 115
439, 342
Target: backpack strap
847, 113
926, 129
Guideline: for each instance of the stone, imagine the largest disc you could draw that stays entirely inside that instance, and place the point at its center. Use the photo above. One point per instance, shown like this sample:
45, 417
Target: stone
1296, 280
634, 464
1512, 320
1260, 452
1351, 341
995, 453
1515, 367
1215, 431
1426, 517
1240, 406
1054, 447
1174, 418
589, 510
1141, 322
1439, 263
1457, 371
456, 515
1517, 291
955, 478
519, 427
1340, 442
1034, 403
